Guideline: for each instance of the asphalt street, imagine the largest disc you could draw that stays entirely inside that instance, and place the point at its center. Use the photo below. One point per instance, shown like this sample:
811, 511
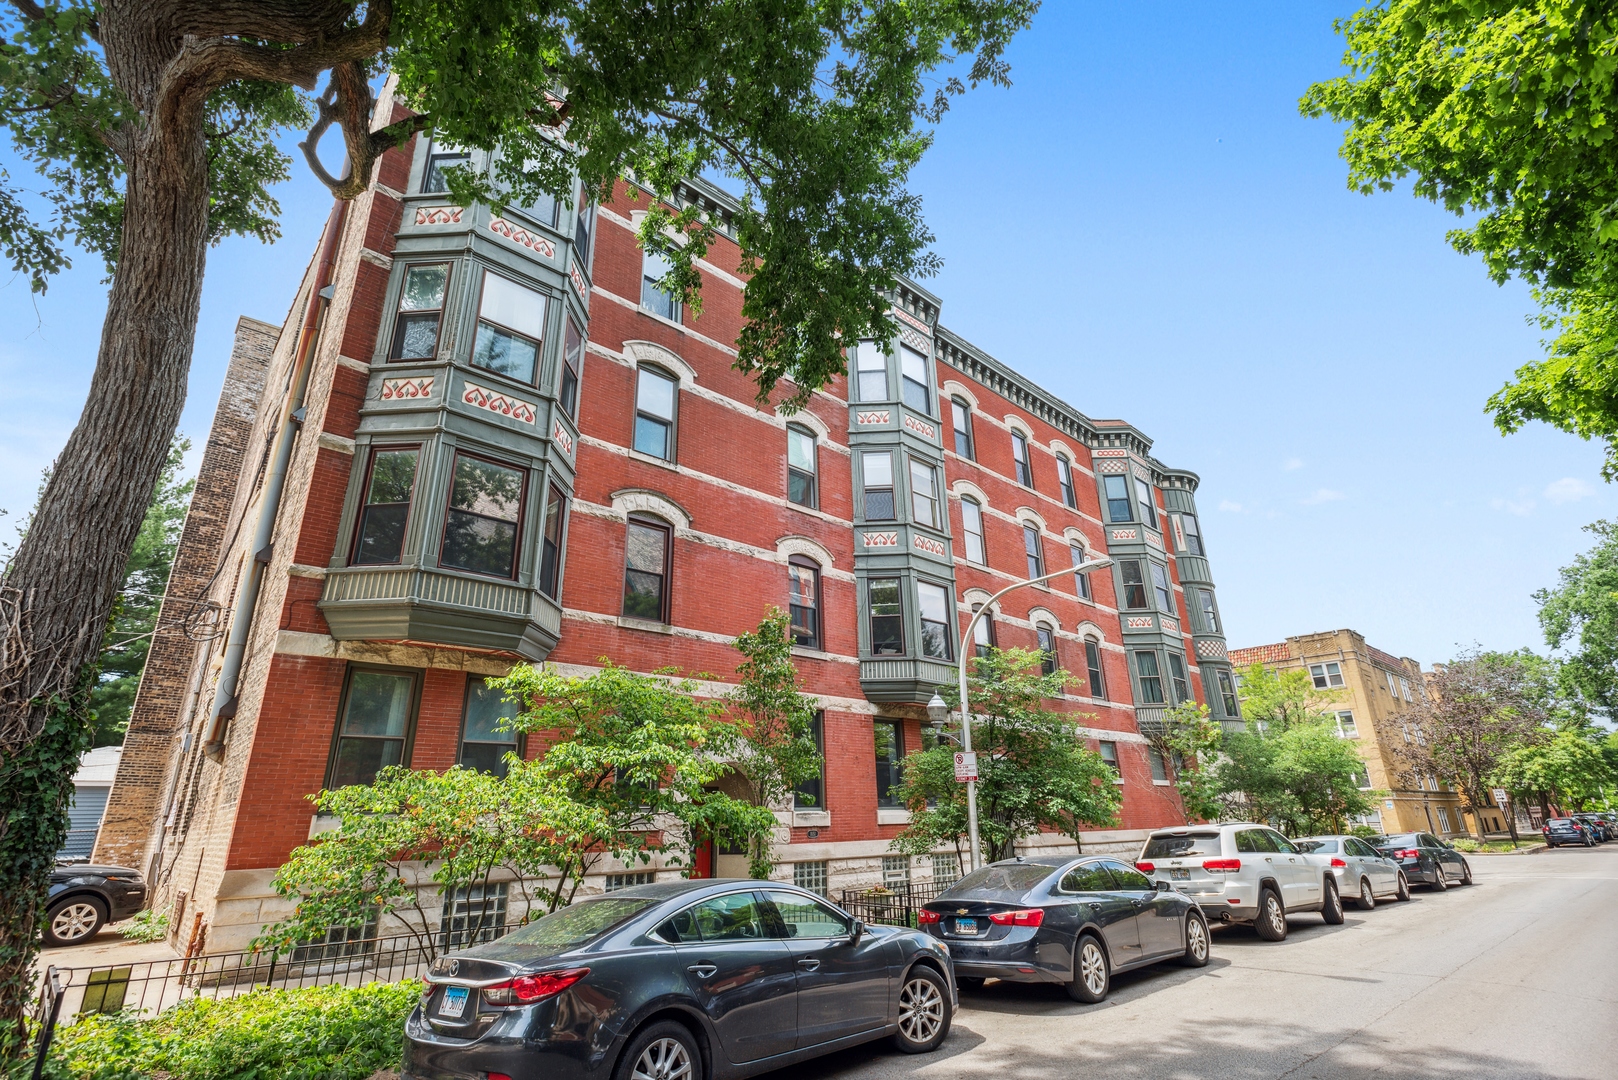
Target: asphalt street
1515, 976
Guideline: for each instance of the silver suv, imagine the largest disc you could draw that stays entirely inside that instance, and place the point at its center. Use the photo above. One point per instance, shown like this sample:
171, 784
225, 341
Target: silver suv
1242, 872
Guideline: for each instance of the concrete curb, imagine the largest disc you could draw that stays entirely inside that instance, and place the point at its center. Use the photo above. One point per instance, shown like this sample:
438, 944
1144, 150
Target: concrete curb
1524, 850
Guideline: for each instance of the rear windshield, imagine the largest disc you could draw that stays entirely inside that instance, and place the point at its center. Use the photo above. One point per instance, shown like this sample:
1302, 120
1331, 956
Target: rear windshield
566, 929
1561, 821
1323, 847
992, 880
1175, 847
1401, 840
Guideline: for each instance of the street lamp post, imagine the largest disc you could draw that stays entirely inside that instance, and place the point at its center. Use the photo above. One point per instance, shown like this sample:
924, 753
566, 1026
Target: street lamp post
936, 709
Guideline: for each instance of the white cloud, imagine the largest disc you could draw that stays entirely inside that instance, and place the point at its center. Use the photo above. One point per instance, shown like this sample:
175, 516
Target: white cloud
1520, 507
1568, 489
1292, 464
1324, 495
1230, 507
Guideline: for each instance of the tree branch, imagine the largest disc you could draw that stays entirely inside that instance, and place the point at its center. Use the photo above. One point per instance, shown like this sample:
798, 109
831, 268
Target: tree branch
348, 103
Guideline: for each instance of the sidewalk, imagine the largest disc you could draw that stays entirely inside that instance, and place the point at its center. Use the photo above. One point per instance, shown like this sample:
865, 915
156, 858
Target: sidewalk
106, 949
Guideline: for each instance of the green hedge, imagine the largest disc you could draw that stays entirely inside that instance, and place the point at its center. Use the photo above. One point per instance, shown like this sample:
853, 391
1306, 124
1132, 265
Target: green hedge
319, 1033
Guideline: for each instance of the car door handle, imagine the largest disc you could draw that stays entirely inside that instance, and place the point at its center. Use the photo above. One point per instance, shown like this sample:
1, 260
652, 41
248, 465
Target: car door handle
702, 971
1094, 906
809, 963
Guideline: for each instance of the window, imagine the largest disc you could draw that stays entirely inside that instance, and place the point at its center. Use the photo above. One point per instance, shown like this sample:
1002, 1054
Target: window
374, 727
946, 869
583, 227
484, 745
572, 364
732, 917
1391, 691
1210, 614
808, 919
889, 755
646, 575
934, 609
802, 457
810, 876
1227, 693
1148, 505
1160, 768
962, 417
1081, 582
887, 617
895, 871
485, 510
1182, 691
923, 494
654, 299
472, 915
421, 309
871, 371
972, 526
1404, 687
1346, 726
1092, 662
1193, 535
655, 394
982, 632
1064, 477
1047, 648
629, 881
1151, 679
1443, 819
544, 209
1160, 584
876, 468
1134, 583
1031, 547
810, 793
1117, 491
381, 532
550, 558
1329, 674
440, 160
913, 378
1019, 454
511, 322
803, 592
1109, 754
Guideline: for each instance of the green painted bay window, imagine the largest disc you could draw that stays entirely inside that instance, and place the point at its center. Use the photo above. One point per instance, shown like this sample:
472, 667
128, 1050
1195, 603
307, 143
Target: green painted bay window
379, 538
484, 517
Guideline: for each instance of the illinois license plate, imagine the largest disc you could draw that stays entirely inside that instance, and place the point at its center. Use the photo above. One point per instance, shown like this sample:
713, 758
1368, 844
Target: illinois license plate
454, 1003
1180, 875
966, 926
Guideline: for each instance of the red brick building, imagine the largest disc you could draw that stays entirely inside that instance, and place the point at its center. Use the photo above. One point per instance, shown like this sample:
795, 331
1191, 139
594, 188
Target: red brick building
487, 439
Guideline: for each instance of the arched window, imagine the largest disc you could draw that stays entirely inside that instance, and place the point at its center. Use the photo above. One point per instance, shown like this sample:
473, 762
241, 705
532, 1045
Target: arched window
982, 631
1047, 648
962, 416
1092, 662
646, 568
1081, 582
972, 526
802, 462
657, 394
1064, 475
803, 593
1036, 553
653, 297
1019, 455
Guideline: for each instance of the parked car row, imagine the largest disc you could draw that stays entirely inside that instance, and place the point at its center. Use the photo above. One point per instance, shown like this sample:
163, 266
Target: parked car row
1587, 830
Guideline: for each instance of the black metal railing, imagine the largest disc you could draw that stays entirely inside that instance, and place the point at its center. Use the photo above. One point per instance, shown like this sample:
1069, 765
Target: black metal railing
891, 905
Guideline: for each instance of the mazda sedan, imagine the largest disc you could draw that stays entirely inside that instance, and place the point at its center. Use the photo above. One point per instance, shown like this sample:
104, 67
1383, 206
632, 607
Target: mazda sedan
1075, 921
686, 980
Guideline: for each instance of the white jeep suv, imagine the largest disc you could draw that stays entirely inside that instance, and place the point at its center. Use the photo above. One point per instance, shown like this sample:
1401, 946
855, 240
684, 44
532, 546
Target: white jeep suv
1243, 873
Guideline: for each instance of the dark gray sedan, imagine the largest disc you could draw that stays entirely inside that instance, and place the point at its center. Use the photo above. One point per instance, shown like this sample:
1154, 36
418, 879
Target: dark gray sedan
1068, 920
685, 980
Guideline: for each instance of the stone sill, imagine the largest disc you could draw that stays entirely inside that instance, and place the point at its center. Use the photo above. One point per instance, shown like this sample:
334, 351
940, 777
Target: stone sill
813, 819
648, 625
892, 815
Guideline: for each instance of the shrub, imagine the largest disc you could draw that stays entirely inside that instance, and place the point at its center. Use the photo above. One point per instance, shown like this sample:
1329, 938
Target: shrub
146, 927
318, 1033
1463, 844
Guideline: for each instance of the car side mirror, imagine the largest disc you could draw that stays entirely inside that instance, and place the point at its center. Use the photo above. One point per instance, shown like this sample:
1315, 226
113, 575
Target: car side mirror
858, 932
1163, 886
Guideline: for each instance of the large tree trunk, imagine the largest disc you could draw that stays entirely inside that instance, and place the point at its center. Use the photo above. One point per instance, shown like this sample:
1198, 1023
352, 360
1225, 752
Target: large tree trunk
60, 588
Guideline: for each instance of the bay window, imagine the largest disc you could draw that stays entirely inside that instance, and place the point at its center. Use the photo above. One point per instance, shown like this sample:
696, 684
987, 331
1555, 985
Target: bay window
886, 617
871, 372
379, 538
1117, 492
876, 471
1160, 585
933, 606
550, 559
923, 494
1150, 676
913, 375
1182, 691
511, 324
484, 516
567, 394
1148, 505
421, 310
1134, 583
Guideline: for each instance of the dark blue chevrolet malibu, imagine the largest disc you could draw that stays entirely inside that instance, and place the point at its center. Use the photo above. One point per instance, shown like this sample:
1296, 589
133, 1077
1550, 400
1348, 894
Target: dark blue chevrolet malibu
687, 980
1073, 920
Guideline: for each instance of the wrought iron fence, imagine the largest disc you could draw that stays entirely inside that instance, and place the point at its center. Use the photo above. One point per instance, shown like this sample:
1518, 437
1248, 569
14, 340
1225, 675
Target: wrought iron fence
890, 905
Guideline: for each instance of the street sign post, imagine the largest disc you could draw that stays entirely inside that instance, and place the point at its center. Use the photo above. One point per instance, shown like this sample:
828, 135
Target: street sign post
966, 767
1502, 799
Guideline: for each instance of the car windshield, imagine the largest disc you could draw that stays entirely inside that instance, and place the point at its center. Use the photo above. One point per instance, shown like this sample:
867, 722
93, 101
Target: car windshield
566, 929
996, 880
1322, 847
1175, 847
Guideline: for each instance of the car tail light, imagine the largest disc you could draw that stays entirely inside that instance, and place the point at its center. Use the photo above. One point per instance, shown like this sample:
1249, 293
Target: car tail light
1023, 917
1145, 867
498, 1076
1338, 863
1222, 866
527, 989
927, 918
1407, 853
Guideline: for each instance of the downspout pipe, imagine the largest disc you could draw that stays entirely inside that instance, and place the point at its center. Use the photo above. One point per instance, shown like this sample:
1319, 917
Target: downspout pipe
225, 697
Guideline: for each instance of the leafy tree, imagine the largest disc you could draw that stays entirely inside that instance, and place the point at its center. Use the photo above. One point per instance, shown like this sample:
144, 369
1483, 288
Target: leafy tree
1189, 743
777, 748
1478, 708
123, 655
1033, 772
153, 124
1569, 770
1580, 616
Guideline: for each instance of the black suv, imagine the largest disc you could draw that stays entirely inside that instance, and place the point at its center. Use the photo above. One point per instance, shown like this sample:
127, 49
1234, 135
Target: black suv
1565, 830
83, 899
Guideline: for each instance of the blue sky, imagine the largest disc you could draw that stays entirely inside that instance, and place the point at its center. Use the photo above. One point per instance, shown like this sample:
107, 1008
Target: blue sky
1144, 225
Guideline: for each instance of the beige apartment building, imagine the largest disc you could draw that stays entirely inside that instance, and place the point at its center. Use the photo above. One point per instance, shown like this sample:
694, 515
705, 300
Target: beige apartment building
1372, 687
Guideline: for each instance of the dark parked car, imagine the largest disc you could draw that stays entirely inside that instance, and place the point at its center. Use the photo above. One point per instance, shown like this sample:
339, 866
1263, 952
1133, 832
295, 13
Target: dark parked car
1073, 921
1425, 859
83, 899
1600, 828
678, 981
1565, 830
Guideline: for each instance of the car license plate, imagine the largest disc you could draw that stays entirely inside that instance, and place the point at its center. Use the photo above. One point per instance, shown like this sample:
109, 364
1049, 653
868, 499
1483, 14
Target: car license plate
966, 926
1180, 875
454, 1003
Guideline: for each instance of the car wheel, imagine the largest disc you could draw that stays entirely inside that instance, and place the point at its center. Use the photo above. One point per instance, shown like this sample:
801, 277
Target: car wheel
1588, 842
1466, 873
969, 982
74, 920
1367, 899
1271, 923
1092, 976
924, 1012
1403, 890
1439, 883
1196, 941
1331, 909
663, 1051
